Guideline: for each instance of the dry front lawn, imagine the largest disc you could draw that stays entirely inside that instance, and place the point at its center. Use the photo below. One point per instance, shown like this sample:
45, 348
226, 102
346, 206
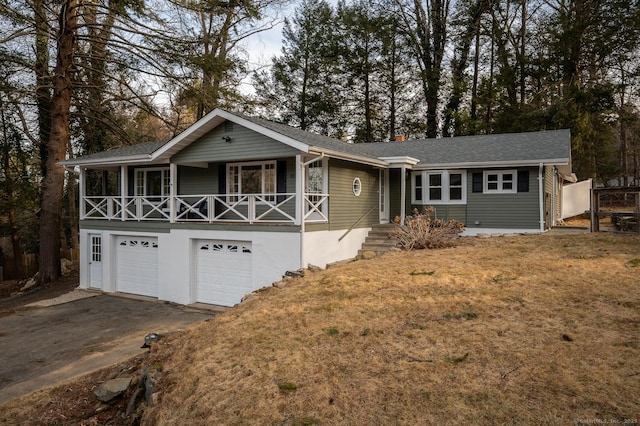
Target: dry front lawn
511, 330
521, 330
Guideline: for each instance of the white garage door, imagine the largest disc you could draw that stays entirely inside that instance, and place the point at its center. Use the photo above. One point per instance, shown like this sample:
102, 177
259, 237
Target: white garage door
223, 271
137, 265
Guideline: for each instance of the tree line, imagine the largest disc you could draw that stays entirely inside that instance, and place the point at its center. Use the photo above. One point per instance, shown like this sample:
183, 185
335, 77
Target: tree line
81, 76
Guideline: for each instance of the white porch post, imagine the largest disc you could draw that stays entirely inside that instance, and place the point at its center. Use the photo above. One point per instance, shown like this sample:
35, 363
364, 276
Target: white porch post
541, 195
124, 185
173, 188
300, 191
403, 193
81, 190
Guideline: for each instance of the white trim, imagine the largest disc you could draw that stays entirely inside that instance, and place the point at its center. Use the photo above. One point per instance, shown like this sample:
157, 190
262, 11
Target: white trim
445, 186
498, 232
480, 165
500, 182
163, 170
356, 186
541, 194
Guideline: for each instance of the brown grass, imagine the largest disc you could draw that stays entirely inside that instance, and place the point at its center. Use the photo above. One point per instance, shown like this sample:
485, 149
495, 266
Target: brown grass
519, 330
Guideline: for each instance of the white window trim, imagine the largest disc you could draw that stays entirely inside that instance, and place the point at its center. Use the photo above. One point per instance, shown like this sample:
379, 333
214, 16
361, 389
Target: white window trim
252, 163
500, 190
356, 186
445, 187
164, 170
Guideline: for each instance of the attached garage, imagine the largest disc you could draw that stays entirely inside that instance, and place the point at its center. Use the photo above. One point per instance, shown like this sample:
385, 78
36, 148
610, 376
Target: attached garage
223, 271
137, 265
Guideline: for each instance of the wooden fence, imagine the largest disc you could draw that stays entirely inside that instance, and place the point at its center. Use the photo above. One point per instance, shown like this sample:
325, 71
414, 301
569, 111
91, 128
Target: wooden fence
620, 206
30, 264
29, 267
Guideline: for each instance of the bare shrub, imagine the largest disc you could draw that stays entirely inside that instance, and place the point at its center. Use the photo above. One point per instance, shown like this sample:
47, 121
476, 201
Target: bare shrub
423, 230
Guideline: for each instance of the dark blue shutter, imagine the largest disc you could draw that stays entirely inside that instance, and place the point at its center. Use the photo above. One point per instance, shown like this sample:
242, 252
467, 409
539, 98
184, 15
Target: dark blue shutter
131, 182
281, 179
476, 179
222, 179
523, 181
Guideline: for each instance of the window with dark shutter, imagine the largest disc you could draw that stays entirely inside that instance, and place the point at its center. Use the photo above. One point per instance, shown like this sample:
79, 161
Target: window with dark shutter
523, 181
281, 179
476, 182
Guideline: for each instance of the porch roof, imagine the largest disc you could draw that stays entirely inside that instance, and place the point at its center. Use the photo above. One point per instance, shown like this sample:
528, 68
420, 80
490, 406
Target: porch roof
140, 152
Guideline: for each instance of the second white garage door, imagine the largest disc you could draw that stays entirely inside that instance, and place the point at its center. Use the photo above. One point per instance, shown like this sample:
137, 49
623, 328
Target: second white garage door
137, 265
223, 271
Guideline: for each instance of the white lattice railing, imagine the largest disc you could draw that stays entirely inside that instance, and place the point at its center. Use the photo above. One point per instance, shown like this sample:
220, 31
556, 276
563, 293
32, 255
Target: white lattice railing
244, 208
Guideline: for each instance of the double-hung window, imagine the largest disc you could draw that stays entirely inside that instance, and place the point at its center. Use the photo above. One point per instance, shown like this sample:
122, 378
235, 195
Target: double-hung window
153, 183
500, 182
439, 187
255, 178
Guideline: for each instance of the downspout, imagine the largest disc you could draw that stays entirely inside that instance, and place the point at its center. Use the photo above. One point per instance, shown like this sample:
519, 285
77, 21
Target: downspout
173, 191
541, 195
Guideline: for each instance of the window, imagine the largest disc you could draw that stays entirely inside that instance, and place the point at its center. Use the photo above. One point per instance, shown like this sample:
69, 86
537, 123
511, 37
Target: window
500, 182
153, 183
439, 187
357, 187
257, 178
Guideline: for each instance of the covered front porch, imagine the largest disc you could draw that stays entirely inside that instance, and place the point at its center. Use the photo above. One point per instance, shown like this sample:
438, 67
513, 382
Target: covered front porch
248, 193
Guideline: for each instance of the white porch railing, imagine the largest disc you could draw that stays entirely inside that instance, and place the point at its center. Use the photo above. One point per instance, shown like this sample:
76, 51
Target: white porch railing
210, 208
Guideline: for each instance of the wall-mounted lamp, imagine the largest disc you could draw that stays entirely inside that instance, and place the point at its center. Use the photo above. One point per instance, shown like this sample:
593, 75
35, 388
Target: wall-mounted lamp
227, 139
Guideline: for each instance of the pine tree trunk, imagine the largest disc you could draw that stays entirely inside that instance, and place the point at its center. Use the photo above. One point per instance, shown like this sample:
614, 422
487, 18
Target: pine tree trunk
53, 184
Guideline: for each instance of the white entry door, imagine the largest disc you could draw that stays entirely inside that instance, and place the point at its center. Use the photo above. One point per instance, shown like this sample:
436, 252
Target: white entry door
223, 271
95, 261
137, 265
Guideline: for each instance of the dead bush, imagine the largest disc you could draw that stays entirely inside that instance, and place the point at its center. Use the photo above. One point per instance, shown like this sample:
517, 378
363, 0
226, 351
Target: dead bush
423, 230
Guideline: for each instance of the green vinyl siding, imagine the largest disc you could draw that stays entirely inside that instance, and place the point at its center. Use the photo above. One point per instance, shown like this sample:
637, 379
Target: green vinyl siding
344, 207
244, 145
197, 181
519, 210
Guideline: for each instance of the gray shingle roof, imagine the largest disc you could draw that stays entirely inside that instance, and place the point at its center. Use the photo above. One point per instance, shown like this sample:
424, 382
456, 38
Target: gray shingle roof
312, 139
528, 147
145, 148
531, 147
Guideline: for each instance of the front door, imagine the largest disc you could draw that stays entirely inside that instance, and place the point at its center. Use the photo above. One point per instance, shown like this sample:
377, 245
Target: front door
95, 261
384, 195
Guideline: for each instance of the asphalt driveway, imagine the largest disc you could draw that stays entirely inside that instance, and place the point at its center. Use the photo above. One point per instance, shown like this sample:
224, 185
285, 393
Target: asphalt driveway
42, 346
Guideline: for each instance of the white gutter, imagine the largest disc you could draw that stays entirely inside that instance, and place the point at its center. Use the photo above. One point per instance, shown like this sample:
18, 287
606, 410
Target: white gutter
313, 160
474, 165
541, 195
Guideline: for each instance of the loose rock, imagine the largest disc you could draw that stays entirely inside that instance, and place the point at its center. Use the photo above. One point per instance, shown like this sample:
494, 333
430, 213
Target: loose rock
110, 389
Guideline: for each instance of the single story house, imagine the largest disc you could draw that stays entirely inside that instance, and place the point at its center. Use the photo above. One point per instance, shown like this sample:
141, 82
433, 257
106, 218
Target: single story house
232, 203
